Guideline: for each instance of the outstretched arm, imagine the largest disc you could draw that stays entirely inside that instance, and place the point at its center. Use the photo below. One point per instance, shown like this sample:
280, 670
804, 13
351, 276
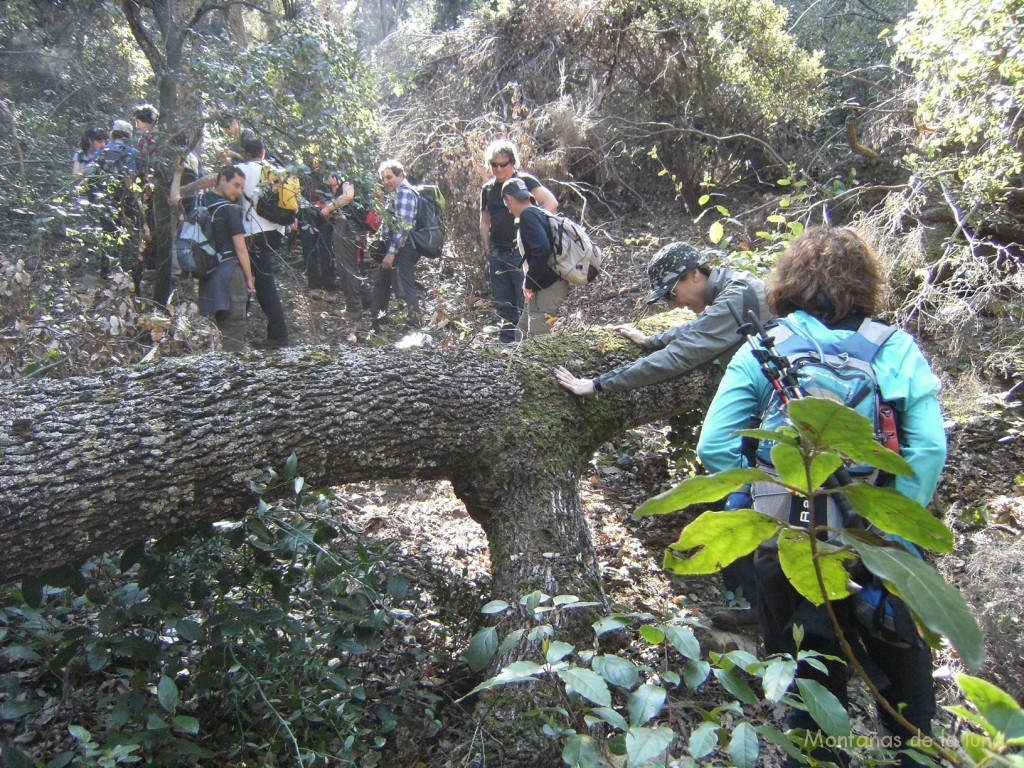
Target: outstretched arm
635, 335
581, 387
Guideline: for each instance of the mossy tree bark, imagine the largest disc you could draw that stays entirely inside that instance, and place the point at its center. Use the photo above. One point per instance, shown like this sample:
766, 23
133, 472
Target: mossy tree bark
98, 463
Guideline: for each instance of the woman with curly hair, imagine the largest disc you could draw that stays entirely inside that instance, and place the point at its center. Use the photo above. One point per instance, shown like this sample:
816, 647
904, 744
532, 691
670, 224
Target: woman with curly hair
824, 287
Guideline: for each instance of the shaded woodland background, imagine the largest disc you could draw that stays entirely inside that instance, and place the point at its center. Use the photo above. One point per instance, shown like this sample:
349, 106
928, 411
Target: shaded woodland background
734, 127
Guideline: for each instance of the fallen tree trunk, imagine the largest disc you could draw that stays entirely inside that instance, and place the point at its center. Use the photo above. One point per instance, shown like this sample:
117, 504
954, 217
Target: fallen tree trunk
98, 463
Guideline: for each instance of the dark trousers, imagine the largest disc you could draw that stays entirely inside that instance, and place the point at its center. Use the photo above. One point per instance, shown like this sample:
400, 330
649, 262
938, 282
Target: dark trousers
315, 232
909, 670
345, 243
741, 579
506, 288
262, 248
402, 279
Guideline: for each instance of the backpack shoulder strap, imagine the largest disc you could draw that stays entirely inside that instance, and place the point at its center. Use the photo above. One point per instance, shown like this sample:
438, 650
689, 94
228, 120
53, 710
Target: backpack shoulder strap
869, 339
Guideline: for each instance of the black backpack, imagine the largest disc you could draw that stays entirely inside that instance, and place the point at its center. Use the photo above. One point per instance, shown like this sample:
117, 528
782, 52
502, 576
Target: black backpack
428, 226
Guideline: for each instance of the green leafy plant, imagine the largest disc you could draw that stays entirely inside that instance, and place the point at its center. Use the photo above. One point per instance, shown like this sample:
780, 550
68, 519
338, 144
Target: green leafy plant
261, 629
823, 435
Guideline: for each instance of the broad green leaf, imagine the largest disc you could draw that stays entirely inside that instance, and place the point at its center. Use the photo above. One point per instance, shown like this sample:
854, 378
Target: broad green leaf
581, 751
895, 513
97, 658
482, 647
743, 746
167, 694
699, 490
797, 563
587, 684
828, 423
716, 232
824, 707
564, 600
510, 640
703, 200
495, 606
533, 600
540, 632
187, 724
958, 710
777, 737
790, 464
703, 740
995, 705
610, 716
15, 710
978, 748
557, 651
645, 744
737, 685
644, 703
652, 635
784, 435
745, 660
291, 465
19, 653
695, 672
611, 623
723, 536
777, 678
935, 604
683, 640
81, 734
516, 672
616, 670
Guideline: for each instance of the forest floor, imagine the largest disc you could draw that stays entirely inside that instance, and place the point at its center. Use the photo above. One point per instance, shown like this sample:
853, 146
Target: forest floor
446, 556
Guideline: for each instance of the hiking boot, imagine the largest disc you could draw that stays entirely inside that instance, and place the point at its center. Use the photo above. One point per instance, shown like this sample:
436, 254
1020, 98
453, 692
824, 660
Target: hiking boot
736, 620
269, 343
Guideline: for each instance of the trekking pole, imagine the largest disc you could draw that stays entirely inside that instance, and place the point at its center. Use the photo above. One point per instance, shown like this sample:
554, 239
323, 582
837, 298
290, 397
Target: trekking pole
782, 377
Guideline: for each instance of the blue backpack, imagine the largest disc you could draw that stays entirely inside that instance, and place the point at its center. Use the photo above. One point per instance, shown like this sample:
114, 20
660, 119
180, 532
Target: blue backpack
840, 371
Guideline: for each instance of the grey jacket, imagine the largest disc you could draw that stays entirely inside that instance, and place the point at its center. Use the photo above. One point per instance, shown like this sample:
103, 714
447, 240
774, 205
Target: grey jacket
687, 346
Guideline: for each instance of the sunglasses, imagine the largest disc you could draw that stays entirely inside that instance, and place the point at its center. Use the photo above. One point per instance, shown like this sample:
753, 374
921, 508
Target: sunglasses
506, 164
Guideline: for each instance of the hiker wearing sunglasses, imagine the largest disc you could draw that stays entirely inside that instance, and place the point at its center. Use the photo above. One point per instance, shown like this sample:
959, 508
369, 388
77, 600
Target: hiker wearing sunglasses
682, 277
498, 233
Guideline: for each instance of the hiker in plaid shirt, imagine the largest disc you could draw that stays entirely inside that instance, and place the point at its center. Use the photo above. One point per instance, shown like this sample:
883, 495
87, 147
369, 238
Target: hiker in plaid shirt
398, 269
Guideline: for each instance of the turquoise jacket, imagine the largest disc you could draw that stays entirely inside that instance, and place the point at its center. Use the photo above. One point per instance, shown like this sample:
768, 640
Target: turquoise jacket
904, 378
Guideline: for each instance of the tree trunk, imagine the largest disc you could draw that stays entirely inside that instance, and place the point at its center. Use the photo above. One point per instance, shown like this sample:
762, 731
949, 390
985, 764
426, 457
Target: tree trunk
96, 464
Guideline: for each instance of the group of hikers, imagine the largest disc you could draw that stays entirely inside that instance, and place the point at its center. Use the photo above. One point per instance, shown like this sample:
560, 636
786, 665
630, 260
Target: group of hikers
333, 227
825, 291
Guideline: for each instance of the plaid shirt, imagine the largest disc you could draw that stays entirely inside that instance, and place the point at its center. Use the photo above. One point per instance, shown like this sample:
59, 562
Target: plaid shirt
401, 215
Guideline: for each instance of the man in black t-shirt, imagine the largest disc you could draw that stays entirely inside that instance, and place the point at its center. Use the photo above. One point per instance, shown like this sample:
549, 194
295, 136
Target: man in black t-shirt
224, 293
498, 233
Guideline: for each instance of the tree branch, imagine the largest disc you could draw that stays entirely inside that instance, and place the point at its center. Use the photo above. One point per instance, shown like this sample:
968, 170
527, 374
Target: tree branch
132, 11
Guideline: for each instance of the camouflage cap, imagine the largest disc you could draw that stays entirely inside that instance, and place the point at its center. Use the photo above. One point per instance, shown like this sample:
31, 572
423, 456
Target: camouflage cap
669, 264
